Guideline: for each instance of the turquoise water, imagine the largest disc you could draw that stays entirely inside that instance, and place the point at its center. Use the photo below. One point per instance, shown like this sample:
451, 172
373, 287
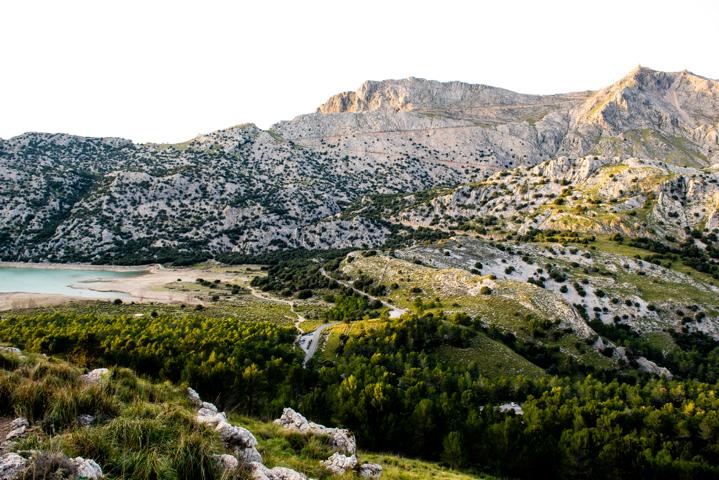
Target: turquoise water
57, 281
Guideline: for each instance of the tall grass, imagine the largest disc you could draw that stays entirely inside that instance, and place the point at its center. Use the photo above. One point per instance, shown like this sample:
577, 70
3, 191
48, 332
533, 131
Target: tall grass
141, 430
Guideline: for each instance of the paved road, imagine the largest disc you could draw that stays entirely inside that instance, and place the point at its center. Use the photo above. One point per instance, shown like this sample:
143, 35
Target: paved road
308, 342
394, 312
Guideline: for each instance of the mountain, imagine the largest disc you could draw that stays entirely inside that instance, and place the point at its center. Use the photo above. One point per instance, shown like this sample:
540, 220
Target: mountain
244, 190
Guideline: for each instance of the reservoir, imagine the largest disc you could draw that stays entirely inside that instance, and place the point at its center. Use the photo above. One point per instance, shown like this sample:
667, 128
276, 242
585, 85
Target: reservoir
44, 280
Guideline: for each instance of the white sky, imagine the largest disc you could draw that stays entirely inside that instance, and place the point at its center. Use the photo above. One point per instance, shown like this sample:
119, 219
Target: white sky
166, 71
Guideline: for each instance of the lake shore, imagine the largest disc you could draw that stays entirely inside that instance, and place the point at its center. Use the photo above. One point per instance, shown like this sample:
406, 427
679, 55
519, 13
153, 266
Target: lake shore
150, 286
77, 266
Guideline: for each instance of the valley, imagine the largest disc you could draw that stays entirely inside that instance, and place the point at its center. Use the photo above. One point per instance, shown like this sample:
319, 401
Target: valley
474, 282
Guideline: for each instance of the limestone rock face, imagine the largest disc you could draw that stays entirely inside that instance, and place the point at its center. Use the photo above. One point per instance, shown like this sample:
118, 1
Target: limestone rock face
11, 466
340, 439
387, 137
236, 436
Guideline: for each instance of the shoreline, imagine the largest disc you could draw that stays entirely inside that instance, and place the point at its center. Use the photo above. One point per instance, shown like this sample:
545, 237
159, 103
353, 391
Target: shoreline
82, 266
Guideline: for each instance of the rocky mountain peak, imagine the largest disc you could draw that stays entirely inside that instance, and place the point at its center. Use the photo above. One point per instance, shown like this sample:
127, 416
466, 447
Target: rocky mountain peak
412, 93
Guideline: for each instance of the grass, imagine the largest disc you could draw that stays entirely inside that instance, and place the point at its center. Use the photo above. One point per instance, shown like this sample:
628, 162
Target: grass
141, 430
493, 358
242, 307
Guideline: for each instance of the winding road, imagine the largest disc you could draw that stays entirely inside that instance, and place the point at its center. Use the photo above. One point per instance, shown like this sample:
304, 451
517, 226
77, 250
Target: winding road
394, 311
308, 342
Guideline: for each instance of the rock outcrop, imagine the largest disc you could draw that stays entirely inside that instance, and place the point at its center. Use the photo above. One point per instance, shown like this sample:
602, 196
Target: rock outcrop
241, 441
12, 466
95, 376
341, 439
17, 428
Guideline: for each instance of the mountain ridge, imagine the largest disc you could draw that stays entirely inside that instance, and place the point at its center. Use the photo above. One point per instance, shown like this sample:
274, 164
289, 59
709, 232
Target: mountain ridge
246, 190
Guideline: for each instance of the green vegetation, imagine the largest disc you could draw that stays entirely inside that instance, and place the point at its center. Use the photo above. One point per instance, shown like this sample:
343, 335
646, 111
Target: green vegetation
252, 366
141, 430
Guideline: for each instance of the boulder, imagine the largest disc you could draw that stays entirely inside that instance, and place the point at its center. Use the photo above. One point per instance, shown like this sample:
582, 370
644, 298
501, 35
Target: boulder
248, 455
227, 463
194, 397
13, 350
210, 418
86, 469
341, 439
85, 420
95, 376
235, 436
260, 472
17, 428
370, 471
12, 466
338, 463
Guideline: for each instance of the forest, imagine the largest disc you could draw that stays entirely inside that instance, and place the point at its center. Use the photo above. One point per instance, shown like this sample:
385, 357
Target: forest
391, 380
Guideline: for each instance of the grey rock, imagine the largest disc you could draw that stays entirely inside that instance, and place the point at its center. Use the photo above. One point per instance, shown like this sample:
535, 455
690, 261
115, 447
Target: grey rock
12, 466
85, 420
87, 469
227, 463
17, 428
371, 471
338, 463
13, 350
341, 439
194, 397
95, 376
261, 472
236, 436
248, 455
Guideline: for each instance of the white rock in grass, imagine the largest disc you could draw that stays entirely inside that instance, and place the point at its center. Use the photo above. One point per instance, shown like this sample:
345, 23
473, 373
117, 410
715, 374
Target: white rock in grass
13, 350
86, 469
371, 471
209, 406
249, 455
85, 420
260, 472
282, 473
236, 436
194, 397
227, 463
11, 466
338, 464
94, 376
17, 428
210, 418
341, 439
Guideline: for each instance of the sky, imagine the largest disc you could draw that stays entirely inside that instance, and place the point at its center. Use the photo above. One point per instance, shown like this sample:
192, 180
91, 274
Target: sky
166, 71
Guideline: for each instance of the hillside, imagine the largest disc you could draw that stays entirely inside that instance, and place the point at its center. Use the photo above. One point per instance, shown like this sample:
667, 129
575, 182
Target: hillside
245, 191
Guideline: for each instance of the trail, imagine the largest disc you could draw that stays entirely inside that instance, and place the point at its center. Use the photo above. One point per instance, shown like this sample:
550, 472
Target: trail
394, 312
308, 342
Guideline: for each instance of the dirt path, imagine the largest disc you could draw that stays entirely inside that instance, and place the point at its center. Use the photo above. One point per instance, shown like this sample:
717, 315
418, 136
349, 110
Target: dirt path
394, 312
308, 342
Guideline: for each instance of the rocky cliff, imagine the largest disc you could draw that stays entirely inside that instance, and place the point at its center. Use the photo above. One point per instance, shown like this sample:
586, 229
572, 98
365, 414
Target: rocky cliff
249, 191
